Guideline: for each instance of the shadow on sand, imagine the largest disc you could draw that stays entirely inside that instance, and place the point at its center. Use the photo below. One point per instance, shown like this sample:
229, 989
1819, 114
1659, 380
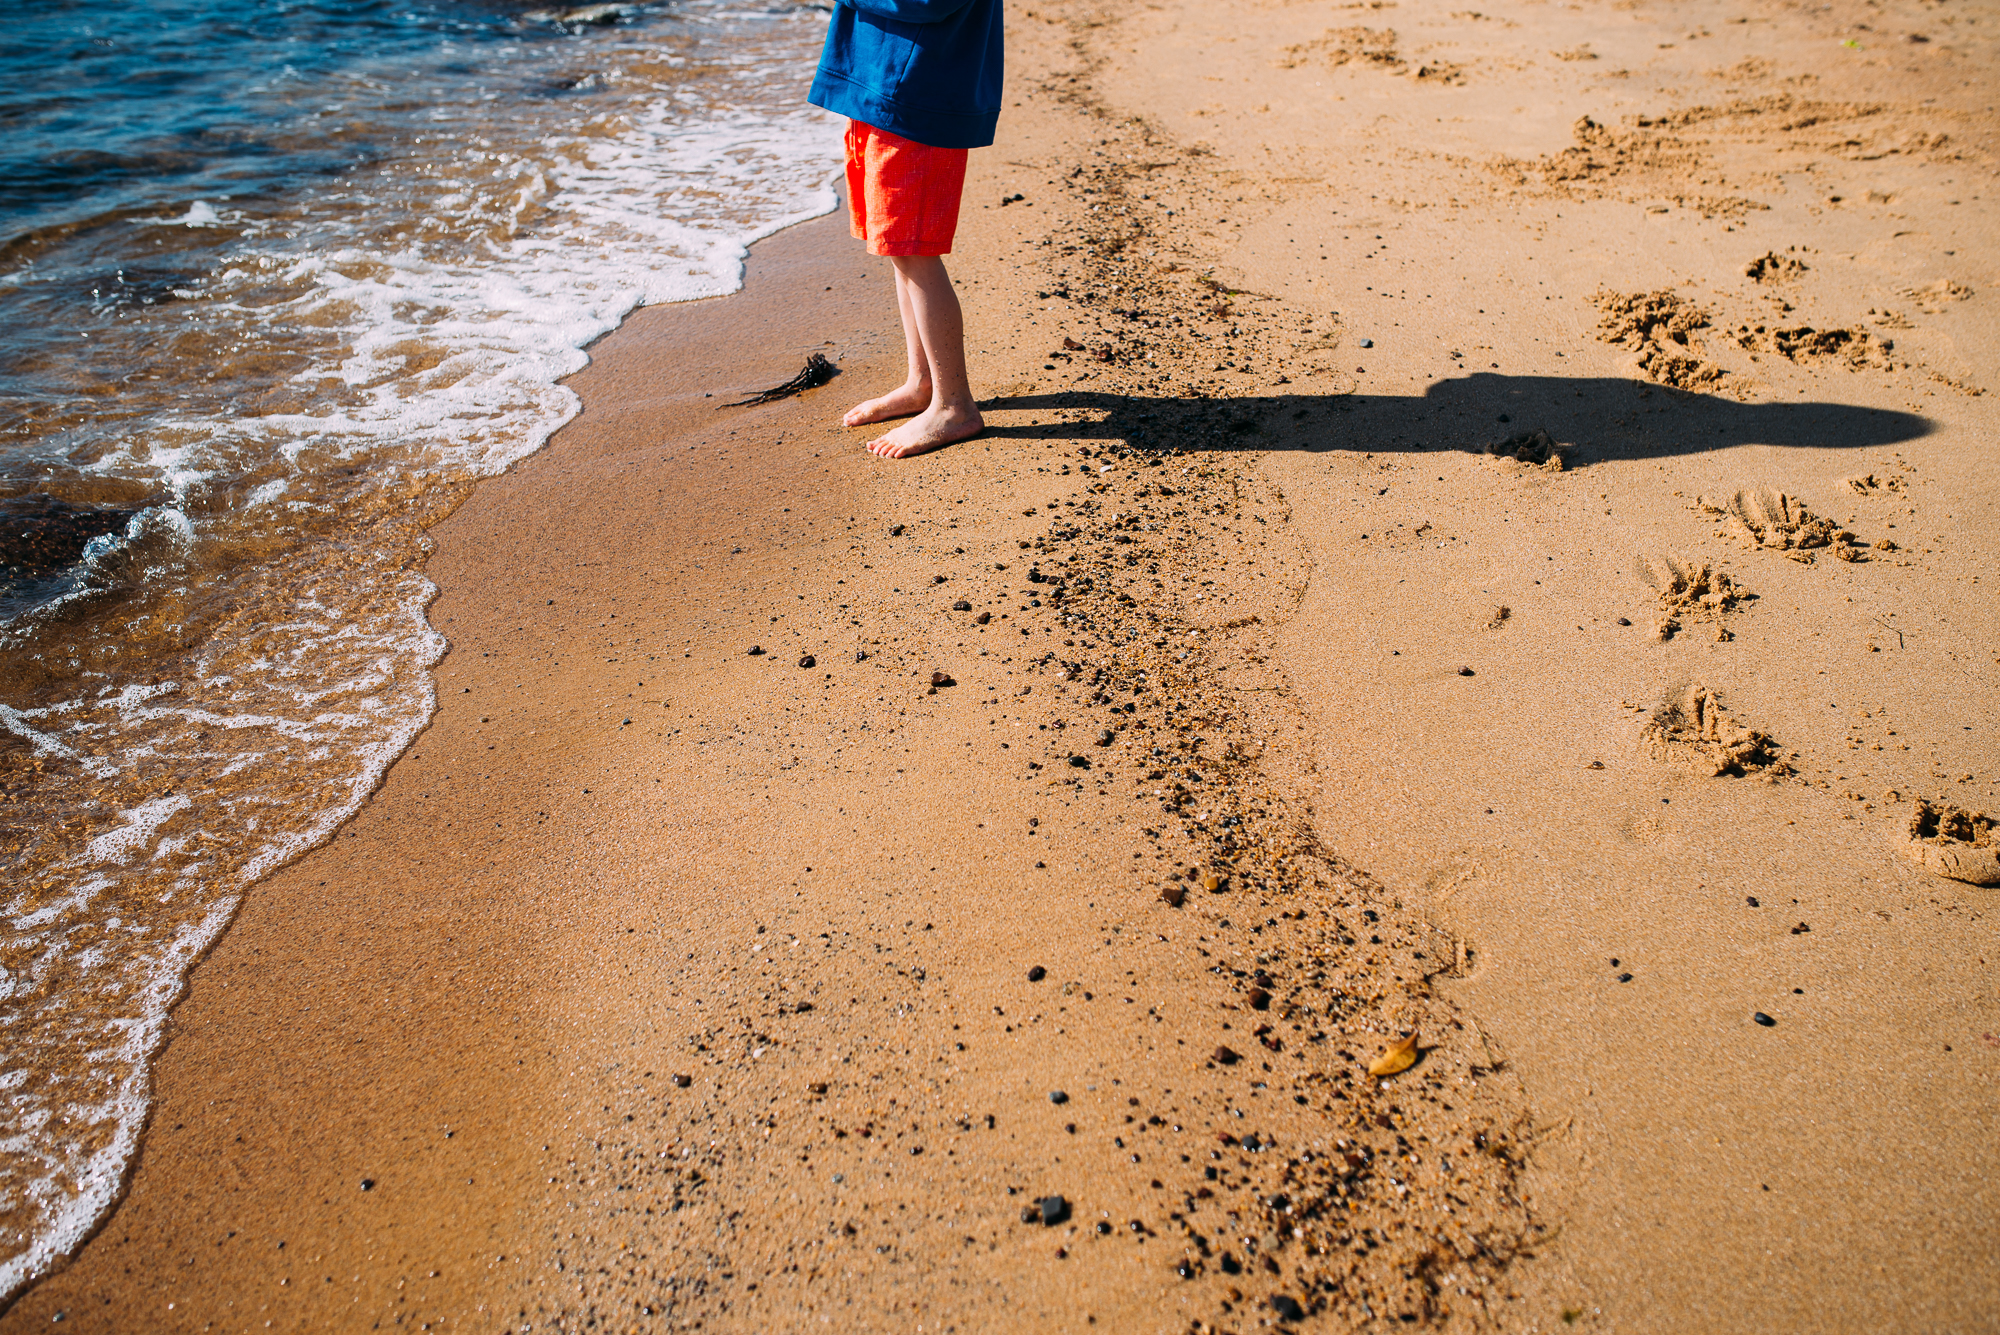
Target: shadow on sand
1596, 420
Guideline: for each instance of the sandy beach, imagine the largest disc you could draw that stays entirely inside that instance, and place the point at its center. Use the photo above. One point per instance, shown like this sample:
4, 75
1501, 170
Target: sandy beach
1485, 534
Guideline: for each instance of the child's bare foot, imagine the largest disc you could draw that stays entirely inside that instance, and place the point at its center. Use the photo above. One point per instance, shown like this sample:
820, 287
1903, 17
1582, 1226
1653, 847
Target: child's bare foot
933, 428
904, 401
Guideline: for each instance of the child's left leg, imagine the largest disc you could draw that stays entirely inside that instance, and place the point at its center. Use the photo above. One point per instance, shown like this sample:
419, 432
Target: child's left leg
934, 330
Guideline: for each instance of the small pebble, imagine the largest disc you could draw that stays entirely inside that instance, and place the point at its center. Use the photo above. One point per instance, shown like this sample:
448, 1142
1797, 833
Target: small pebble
1078, 762
961, 606
1259, 999
808, 661
368, 1184
983, 618
1763, 1019
942, 679
1367, 342
861, 655
1058, 1097
1175, 895
1465, 672
1036, 974
1624, 621
896, 531
755, 649
683, 1081
1751, 900
1287, 1308
1054, 1210
1624, 977
1228, 1056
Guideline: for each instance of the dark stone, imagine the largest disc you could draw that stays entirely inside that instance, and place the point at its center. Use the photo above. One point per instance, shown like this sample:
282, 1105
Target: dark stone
41, 535
683, 1081
1036, 974
803, 1007
1751, 900
941, 679
1287, 1308
1175, 895
1763, 1019
1078, 762
1228, 1056
1054, 1210
861, 655
368, 1184
1465, 672
755, 649
808, 661
983, 618
1624, 621
1102, 1228
1624, 977
1259, 999
1230, 1265
1800, 928
896, 531
1058, 1097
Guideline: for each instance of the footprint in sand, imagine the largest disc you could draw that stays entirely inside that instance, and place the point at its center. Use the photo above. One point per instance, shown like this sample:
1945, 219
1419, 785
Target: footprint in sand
1933, 298
1692, 728
1768, 518
1953, 842
1771, 267
1537, 448
1692, 589
1871, 484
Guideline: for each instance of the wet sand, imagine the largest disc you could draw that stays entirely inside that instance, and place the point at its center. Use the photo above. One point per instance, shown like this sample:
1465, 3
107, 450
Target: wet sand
673, 986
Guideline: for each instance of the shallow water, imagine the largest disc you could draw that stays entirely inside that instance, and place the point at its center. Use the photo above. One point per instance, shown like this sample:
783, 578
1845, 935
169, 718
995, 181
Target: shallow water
275, 284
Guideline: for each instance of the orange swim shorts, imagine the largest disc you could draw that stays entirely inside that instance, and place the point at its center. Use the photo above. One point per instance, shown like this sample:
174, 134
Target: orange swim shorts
902, 196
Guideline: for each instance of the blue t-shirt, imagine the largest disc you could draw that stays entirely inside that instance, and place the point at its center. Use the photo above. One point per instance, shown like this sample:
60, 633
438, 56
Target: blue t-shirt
928, 70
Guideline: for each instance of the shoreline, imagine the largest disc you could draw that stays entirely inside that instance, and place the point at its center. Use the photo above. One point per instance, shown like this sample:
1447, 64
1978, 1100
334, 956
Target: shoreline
738, 993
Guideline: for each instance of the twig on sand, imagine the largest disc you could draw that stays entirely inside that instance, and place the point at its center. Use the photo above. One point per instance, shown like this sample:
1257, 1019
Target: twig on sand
817, 372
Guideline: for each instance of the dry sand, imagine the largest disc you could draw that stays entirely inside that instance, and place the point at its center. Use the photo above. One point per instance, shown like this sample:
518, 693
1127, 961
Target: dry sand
668, 986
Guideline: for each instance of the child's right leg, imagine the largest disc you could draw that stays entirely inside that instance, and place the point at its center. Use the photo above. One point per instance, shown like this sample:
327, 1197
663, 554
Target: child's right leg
914, 394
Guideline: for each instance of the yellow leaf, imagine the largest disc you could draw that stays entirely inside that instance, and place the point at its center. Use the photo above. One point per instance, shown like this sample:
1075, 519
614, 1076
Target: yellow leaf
1400, 1057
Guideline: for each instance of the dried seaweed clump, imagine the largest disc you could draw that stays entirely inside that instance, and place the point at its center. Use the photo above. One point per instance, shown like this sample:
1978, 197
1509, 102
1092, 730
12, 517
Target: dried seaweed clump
1692, 728
818, 370
1660, 327
1953, 842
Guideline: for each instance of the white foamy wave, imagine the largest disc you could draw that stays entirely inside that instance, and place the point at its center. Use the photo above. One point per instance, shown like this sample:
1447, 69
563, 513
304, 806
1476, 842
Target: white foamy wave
438, 352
